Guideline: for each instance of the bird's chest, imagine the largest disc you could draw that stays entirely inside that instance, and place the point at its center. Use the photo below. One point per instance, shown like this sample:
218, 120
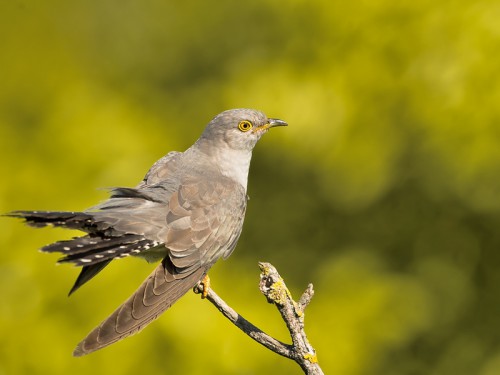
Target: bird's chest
234, 164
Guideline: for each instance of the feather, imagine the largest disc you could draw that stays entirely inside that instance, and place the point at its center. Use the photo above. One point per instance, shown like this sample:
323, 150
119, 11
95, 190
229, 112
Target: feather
87, 273
156, 294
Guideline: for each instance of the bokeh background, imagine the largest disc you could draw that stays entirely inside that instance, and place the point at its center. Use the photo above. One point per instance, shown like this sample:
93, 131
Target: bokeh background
384, 191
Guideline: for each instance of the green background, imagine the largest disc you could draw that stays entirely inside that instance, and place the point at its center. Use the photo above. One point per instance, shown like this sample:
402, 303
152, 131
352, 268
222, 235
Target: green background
384, 191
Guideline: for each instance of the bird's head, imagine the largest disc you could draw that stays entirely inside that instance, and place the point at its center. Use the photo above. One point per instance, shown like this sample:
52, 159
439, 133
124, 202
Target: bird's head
239, 129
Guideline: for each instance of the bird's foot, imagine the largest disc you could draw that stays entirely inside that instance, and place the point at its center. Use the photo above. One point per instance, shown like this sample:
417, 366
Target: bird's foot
203, 286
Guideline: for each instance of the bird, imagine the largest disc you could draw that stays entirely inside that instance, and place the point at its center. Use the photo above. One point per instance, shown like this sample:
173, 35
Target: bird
186, 214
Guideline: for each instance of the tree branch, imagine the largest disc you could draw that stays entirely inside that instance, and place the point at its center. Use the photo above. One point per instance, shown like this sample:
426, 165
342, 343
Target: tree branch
273, 287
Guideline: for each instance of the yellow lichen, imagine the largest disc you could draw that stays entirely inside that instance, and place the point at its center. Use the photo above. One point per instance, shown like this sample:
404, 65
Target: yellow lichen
298, 310
278, 292
311, 357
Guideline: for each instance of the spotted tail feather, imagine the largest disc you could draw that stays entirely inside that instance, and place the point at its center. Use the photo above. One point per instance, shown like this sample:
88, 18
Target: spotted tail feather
72, 220
92, 252
89, 250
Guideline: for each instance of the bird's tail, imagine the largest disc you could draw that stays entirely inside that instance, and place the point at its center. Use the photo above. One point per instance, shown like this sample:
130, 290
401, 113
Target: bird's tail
156, 294
92, 252
72, 220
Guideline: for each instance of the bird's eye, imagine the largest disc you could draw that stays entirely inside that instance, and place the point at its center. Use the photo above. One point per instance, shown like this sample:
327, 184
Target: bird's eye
245, 125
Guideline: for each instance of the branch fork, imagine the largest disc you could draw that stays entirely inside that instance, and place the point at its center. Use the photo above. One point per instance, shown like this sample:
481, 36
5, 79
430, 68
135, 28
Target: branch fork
273, 287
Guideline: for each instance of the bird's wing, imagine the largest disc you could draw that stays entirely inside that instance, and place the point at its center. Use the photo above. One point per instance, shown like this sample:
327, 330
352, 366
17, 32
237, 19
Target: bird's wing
156, 294
204, 220
161, 170
202, 223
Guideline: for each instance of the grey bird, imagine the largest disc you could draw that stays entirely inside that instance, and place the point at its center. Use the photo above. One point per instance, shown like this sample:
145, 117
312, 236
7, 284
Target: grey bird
188, 212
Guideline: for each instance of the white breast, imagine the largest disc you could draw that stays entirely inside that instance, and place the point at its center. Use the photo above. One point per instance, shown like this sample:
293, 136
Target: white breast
234, 164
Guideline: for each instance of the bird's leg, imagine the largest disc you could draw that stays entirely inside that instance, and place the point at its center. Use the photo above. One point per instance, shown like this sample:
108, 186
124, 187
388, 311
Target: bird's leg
206, 286
203, 285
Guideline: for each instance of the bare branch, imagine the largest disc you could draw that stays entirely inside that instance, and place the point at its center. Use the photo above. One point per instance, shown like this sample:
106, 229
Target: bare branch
306, 297
255, 333
273, 287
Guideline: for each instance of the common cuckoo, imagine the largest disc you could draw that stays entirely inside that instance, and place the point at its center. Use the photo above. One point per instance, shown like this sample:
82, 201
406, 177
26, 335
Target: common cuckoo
188, 212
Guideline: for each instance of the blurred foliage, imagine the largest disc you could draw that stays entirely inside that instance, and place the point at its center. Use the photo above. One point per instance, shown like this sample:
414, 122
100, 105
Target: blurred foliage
384, 191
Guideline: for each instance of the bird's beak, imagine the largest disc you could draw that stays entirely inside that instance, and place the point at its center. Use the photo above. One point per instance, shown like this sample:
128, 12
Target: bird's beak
271, 122
276, 122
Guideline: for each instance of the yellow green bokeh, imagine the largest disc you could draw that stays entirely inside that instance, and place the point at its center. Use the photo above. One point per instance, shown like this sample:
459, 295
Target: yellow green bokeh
384, 191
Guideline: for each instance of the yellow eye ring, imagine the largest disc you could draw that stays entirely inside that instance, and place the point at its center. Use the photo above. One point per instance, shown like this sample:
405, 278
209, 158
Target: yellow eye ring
245, 125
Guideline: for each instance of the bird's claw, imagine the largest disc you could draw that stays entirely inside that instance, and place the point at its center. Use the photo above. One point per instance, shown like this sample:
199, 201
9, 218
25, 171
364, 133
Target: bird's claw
203, 286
